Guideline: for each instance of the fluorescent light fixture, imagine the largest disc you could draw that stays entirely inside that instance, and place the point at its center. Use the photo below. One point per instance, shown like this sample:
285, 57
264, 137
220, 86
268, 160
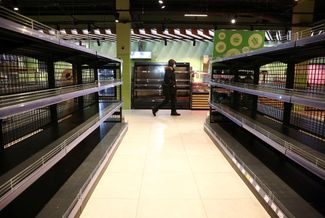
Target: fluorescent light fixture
160, 2
201, 33
109, 32
74, 32
139, 35
16, 9
117, 17
52, 32
270, 35
267, 36
143, 32
211, 33
277, 36
97, 32
189, 32
63, 32
233, 20
166, 32
86, 32
163, 6
178, 32
195, 15
154, 32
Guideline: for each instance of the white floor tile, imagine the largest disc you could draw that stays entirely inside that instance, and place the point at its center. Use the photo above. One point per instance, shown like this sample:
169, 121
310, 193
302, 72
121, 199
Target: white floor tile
221, 186
112, 208
168, 167
209, 164
171, 208
234, 208
119, 185
169, 186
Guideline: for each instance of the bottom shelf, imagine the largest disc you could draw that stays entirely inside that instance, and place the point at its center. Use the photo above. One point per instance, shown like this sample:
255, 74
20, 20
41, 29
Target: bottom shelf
200, 101
148, 103
69, 183
285, 191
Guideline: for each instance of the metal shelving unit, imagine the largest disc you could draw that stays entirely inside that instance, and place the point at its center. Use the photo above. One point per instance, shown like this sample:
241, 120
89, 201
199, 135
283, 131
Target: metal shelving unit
45, 81
274, 97
285, 84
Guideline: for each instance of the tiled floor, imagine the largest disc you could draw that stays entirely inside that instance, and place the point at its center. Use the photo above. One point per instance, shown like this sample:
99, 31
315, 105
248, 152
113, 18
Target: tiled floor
168, 167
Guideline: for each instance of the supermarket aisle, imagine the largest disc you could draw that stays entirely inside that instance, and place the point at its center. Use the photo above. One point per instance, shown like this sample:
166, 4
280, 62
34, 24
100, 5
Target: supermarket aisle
168, 167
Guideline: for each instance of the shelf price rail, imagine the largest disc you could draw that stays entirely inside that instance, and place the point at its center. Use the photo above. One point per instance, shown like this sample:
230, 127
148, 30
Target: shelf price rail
18, 103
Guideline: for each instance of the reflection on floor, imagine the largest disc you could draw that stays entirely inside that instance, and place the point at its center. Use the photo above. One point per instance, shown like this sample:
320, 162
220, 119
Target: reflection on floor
168, 167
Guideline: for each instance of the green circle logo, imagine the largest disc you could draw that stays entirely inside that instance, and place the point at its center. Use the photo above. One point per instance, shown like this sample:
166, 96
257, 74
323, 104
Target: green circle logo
236, 39
255, 41
220, 47
232, 52
222, 35
245, 49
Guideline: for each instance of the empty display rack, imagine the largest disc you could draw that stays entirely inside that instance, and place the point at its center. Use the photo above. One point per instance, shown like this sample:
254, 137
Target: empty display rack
147, 84
50, 89
281, 85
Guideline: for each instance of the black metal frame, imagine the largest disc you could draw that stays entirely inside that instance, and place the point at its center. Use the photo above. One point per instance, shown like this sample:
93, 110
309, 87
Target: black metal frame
150, 82
298, 66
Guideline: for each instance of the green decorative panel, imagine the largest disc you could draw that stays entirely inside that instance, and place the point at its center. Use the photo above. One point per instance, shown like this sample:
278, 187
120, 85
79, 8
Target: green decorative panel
228, 43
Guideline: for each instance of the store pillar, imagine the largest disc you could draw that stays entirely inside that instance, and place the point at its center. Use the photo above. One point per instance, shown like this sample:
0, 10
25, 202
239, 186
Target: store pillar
123, 48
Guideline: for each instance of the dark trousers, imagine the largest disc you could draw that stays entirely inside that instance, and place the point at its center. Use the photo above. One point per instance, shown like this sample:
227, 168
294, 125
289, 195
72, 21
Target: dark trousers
170, 96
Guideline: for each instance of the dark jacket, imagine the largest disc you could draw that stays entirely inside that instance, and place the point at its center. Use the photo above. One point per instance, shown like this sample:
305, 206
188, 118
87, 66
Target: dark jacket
169, 84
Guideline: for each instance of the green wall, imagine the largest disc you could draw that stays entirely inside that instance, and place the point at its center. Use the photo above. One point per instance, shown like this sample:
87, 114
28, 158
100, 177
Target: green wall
181, 51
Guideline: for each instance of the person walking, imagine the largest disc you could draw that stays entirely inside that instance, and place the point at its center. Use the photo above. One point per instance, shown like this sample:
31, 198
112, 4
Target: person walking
169, 89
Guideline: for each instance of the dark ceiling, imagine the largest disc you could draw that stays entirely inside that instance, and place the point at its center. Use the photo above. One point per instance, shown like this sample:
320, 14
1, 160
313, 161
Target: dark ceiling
250, 14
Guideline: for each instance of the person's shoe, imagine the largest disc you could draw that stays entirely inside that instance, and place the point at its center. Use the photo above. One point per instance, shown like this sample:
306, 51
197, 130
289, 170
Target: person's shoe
154, 111
175, 114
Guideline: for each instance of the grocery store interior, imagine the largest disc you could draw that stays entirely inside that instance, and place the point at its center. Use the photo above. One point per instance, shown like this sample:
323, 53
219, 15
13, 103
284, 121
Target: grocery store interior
79, 81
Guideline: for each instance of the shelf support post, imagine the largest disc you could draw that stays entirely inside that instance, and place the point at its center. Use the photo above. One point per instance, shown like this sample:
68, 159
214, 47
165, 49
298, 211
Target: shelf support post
77, 73
51, 85
289, 85
255, 97
236, 99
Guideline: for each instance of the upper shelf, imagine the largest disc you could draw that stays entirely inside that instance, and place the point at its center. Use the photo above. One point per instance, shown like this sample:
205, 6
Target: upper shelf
294, 51
286, 95
19, 103
19, 39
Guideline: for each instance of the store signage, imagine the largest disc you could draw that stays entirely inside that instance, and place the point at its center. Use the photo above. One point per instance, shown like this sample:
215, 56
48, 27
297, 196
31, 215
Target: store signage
140, 54
228, 43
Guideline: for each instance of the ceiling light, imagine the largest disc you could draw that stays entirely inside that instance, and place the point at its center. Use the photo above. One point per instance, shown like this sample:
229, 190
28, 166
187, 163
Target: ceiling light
160, 2
52, 32
117, 17
163, 6
74, 32
195, 15
233, 20
97, 31
16, 9
86, 32
63, 32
